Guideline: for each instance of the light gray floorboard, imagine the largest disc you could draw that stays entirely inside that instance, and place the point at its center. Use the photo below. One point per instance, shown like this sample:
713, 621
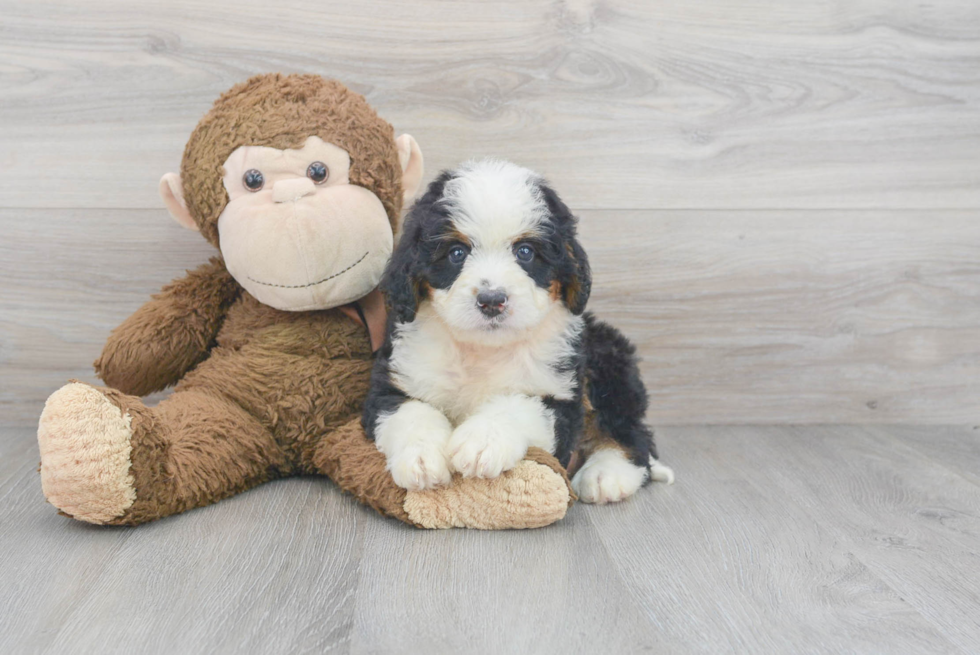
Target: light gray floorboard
774, 539
955, 448
549, 591
910, 520
726, 564
274, 570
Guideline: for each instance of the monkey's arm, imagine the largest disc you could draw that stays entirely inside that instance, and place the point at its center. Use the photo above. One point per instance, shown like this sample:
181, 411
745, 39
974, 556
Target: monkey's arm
169, 335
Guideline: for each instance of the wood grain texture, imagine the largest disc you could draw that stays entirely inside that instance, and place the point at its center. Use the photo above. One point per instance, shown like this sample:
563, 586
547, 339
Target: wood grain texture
273, 570
622, 104
545, 591
796, 317
774, 539
910, 520
955, 449
740, 317
726, 564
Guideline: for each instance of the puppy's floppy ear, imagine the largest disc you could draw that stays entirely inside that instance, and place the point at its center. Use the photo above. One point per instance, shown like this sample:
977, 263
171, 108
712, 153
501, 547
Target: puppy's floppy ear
574, 273
579, 285
400, 284
403, 283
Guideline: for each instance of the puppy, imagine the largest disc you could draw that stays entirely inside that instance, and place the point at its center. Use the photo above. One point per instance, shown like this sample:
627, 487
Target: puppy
488, 351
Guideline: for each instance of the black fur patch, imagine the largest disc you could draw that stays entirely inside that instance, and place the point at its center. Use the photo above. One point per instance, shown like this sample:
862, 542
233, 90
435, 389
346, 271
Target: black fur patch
570, 261
616, 389
569, 414
383, 396
426, 236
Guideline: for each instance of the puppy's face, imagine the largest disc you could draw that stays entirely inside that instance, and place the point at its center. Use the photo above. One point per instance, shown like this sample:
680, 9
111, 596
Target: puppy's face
493, 251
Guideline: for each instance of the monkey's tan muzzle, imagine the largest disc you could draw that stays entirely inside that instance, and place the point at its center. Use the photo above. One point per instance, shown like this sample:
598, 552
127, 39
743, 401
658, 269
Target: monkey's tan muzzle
292, 189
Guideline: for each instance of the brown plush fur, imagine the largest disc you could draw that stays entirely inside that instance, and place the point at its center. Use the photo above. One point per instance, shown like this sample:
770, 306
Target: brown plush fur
175, 330
261, 393
282, 111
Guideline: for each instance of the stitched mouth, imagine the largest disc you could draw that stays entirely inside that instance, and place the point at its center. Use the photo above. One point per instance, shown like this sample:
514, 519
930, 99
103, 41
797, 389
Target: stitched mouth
311, 284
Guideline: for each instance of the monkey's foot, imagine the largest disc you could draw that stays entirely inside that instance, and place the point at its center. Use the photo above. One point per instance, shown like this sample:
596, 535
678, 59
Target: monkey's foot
533, 494
85, 443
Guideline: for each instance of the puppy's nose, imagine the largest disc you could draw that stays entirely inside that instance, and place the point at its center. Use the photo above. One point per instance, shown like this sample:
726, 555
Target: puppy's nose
491, 301
292, 189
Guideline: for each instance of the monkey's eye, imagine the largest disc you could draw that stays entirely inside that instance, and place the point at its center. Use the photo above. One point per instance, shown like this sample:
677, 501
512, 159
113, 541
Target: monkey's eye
253, 180
457, 254
524, 252
318, 172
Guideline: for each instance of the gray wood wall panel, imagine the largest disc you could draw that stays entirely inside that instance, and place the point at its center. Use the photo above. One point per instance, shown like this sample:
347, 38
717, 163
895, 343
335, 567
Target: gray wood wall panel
745, 317
654, 104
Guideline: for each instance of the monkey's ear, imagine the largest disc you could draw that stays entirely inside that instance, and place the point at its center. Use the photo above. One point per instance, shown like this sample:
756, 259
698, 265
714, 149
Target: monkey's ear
410, 158
172, 192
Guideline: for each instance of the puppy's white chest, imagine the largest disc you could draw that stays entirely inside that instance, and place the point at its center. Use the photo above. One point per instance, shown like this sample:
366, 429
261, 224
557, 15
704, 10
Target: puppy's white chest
458, 378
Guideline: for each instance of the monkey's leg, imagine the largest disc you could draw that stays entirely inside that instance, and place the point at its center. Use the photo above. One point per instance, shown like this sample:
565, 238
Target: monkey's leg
106, 458
533, 494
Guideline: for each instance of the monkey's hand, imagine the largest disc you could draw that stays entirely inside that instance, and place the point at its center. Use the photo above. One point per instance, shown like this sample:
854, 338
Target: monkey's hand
170, 334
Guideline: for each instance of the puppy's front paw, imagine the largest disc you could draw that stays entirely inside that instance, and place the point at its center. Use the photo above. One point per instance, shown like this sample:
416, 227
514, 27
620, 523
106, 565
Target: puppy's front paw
417, 468
484, 448
608, 477
413, 440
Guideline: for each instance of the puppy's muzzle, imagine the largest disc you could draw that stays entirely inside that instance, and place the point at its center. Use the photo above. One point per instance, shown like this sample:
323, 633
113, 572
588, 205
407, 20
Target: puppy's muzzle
491, 302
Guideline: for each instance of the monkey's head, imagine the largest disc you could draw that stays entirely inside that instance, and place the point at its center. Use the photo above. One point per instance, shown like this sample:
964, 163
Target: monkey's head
299, 184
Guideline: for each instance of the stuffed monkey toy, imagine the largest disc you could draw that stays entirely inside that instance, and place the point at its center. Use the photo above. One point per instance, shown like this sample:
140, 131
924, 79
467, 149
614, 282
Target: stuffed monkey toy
299, 185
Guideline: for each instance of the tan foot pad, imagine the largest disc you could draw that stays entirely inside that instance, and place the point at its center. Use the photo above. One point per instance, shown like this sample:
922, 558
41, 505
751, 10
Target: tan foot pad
531, 495
85, 454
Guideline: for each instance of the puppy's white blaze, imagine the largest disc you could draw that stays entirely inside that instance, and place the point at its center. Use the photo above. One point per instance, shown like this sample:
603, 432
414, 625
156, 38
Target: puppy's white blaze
497, 436
661, 472
413, 439
608, 477
459, 377
494, 201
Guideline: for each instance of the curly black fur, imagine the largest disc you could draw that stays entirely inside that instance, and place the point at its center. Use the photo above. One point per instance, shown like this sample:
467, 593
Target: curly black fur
573, 272
383, 396
400, 283
616, 389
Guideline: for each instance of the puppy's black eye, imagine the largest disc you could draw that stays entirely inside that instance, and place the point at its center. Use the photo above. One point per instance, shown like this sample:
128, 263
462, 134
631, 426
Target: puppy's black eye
318, 172
457, 254
253, 180
524, 252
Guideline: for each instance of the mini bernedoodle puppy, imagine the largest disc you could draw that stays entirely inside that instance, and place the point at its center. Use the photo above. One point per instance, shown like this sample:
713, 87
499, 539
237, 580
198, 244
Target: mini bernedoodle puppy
488, 350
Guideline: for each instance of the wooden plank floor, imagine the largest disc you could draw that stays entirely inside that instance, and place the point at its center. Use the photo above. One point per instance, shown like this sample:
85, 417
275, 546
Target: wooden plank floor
774, 539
